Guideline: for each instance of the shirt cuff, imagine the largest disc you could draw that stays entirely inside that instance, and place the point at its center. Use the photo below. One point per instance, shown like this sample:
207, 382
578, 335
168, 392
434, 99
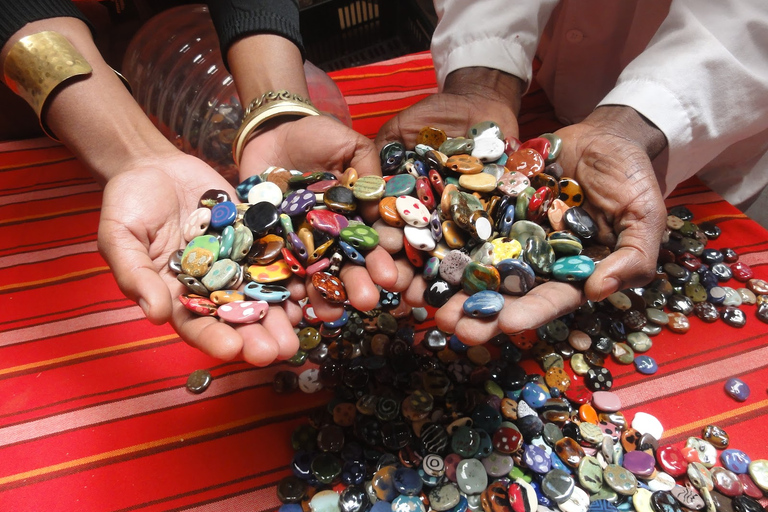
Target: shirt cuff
493, 52
659, 105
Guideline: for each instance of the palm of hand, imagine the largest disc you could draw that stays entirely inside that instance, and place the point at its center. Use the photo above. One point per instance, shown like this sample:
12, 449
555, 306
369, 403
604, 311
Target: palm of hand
452, 113
141, 227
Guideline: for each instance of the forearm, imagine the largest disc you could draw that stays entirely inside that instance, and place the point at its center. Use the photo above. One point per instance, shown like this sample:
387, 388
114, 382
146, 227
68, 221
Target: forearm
95, 115
627, 123
266, 62
486, 83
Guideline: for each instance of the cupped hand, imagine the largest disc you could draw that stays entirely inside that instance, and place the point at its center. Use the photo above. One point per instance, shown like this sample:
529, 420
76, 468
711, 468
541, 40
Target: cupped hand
143, 211
321, 143
609, 154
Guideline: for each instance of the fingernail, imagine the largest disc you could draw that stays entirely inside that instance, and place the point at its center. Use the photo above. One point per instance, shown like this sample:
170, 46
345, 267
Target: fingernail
610, 285
144, 307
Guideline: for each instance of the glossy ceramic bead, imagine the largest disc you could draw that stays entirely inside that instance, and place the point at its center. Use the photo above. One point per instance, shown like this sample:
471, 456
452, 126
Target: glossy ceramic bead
244, 312
527, 161
369, 188
737, 389
223, 274
199, 255
513, 183
573, 268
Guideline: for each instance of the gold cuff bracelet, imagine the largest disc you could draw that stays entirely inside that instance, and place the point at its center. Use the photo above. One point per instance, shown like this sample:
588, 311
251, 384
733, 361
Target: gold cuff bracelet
37, 64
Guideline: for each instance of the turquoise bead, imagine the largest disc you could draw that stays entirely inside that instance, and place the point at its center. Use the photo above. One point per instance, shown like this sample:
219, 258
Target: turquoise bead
573, 268
400, 185
227, 242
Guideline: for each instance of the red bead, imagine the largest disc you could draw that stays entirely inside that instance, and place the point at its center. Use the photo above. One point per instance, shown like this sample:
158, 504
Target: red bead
414, 255
741, 271
671, 460
540, 144
527, 161
424, 192
293, 263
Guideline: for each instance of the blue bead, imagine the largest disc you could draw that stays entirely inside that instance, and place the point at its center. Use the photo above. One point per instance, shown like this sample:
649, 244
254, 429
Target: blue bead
483, 304
737, 389
536, 459
502, 159
339, 322
534, 395
455, 344
302, 464
381, 506
407, 481
223, 214
352, 253
246, 186
602, 506
271, 293
557, 463
735, 460
461, 506
540, 496
290, 507
573, 268
505, 222
646, 365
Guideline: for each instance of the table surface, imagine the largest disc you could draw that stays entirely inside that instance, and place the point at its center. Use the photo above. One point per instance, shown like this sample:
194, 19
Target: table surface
94, 413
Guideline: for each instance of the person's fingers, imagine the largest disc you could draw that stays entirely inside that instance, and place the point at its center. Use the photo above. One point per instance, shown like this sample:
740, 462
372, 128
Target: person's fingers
280, 328
448, 315
405, 275
324, 310
293, 311
381, 267
361, 290
260, 346
135, 272
542, 304
207, 334
414, 294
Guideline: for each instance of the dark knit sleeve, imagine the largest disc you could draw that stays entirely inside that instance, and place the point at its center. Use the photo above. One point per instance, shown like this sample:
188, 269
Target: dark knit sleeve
14, 14
234, 19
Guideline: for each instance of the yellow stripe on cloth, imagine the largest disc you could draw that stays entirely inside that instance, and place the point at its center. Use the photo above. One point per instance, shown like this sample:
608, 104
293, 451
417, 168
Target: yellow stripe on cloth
48, 280
86, 354
180, 438
713, 420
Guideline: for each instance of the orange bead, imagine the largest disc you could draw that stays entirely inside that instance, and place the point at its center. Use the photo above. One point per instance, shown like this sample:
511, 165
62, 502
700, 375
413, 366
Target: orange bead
588, 413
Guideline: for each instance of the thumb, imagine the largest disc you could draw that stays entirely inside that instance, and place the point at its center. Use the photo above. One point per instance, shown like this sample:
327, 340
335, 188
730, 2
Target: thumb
135, 272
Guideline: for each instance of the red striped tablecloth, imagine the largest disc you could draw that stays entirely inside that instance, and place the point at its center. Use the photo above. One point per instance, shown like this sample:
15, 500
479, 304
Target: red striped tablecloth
94, 413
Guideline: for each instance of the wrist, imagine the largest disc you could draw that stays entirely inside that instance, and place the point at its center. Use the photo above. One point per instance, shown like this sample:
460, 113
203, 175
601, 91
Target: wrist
486, 83
629, 124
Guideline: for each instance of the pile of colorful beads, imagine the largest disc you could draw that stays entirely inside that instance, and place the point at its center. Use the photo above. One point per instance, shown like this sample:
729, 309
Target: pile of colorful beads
480, 213
413, 427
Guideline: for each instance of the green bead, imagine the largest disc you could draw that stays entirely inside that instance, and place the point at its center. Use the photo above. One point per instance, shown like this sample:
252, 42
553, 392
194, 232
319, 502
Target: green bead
521, 205
555, 146
360, 237
286, 223
304, 438
227, 242
457, 146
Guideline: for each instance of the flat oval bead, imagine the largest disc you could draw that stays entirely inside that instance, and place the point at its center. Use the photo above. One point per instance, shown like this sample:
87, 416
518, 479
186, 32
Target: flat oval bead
412, 211
270, 293
199, 255
573, 268
266, 191
399, 185
223, 274
198, 304
197, 223
419, 238
478, 182
276, 271
527, 161
244, 312
360, 236
330, 287
513, 183
484, 304
488, 149
432, 137
298, 202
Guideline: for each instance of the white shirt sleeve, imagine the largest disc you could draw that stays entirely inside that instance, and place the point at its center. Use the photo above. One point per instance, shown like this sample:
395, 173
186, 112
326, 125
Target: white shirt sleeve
498, 35
703, 80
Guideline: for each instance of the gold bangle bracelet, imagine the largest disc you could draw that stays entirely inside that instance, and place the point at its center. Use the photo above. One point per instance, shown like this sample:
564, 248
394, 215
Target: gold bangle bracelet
264, 114
38, 64
271, 96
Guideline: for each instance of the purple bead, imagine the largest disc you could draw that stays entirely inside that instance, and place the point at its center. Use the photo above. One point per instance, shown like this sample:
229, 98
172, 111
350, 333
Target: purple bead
639, 463
536, 459
737, 389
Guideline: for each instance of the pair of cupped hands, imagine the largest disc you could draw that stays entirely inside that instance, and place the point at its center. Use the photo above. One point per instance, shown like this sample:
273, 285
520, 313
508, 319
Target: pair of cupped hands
144, 210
